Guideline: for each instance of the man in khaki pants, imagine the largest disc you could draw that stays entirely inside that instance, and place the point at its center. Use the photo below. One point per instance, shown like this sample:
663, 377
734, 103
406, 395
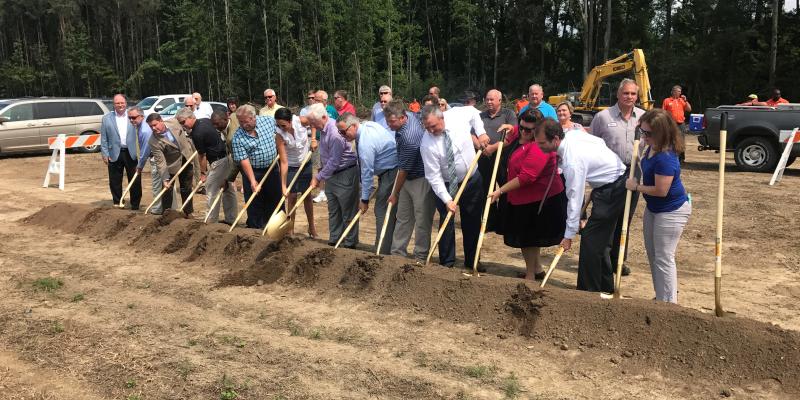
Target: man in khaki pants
412, 196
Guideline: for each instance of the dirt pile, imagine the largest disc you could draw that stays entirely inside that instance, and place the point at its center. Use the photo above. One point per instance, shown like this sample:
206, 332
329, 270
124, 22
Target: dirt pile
641, 335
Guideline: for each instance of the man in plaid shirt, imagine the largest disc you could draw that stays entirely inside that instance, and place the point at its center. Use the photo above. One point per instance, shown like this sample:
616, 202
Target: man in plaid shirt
254, 148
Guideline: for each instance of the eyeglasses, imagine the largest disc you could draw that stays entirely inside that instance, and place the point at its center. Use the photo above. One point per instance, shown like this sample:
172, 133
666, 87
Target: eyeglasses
310, 97
343, 132
383, 93
133, 117
269, 97
526, 129
643, 132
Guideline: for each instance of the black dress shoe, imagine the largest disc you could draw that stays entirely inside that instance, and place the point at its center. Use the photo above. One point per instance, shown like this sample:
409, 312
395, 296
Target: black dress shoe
625, 270
539, 276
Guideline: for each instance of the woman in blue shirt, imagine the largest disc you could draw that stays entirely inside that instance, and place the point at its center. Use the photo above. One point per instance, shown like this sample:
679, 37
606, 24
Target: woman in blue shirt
668, 206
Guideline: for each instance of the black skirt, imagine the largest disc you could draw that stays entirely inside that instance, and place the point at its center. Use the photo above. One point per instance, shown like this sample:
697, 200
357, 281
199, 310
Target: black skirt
523, 225
303, 181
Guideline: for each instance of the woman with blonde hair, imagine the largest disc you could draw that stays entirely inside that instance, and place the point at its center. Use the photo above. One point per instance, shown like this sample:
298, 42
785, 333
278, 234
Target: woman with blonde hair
668, 206
564, 112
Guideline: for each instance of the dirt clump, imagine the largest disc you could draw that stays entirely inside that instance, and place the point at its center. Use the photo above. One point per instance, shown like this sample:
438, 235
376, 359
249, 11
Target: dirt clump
270, 265
360, 274
306, 271
524, 305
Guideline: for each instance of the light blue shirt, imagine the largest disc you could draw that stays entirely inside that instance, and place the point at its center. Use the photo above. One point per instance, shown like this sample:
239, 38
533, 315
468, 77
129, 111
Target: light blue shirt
377, 115
546, 109
144, 143
377, 153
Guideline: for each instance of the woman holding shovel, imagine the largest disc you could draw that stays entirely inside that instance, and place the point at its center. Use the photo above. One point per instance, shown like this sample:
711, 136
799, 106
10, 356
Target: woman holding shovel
296, 137
536, 211
668, 206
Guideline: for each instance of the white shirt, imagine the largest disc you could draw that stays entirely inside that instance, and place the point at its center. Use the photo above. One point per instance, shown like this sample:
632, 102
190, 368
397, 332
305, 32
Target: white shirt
296, 145
434, 157
469, 115
585, 159
122, 127
204, 110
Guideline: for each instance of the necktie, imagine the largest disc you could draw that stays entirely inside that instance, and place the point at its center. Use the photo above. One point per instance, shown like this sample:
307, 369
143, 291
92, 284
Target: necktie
451, 164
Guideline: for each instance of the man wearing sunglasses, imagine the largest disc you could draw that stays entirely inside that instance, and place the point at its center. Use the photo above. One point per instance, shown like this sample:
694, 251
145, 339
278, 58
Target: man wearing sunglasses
143, 133
212, 158
270, 104
617, 126
170, 148
385, 96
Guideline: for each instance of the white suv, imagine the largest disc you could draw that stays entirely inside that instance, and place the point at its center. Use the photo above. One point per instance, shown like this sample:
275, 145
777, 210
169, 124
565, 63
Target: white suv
157, 103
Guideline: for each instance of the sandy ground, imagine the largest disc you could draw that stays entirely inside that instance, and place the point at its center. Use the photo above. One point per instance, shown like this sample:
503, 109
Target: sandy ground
136, 321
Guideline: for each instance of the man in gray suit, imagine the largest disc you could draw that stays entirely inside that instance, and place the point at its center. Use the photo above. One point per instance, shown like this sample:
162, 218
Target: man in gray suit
170, 147
120, 149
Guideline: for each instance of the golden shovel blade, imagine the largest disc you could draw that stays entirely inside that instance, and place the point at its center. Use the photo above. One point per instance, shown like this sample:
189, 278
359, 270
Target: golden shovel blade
278, 226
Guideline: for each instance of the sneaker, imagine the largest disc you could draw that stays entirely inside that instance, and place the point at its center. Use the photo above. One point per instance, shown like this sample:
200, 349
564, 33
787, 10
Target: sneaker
320, 198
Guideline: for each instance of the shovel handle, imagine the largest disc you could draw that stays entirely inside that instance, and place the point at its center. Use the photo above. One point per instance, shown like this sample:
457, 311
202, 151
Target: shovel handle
552, 267
171, 181
254, 194
127, 189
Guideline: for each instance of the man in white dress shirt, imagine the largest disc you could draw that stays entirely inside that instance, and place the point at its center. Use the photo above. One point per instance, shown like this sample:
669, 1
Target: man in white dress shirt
447, 151
586, 159
202, 109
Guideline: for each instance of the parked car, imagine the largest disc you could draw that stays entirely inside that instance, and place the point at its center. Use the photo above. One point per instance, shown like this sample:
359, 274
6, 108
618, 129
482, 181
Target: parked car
755, 134
27, 124
169, 112
158, 103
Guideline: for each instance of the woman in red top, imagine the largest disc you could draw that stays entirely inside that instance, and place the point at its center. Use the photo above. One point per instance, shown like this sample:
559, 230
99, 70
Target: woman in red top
536, 211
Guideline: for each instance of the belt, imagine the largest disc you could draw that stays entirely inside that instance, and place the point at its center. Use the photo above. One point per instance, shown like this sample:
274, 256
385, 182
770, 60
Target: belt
216, 162
343, 169
608, 185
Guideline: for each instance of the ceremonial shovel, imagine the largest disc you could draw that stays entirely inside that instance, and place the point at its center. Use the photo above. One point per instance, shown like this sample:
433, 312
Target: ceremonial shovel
171, 181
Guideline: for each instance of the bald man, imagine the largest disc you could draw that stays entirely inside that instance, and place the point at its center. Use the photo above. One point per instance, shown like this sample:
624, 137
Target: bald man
202, 109
494, 116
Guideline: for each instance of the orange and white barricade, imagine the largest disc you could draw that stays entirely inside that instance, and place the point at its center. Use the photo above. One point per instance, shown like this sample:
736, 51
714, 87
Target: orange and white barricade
60, 144
790, 138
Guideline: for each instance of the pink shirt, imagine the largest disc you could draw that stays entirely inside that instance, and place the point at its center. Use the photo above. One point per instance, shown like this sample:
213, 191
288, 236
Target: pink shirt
534, 170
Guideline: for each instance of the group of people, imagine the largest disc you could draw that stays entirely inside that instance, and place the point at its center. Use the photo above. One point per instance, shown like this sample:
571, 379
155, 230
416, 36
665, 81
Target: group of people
418, 162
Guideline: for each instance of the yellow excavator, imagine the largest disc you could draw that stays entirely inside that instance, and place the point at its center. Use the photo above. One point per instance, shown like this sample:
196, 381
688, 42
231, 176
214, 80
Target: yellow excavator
586, 101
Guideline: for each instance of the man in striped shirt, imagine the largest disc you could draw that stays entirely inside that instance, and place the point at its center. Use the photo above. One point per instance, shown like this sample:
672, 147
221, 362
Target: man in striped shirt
254, 148
412, 195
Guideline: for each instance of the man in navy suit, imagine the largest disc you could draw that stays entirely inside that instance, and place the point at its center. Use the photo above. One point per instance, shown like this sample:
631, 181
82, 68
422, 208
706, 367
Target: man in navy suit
120, 147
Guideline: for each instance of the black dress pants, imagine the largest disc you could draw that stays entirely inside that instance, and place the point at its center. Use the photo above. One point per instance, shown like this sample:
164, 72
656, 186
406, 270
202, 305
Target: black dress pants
595, 269
470, 207
127, 166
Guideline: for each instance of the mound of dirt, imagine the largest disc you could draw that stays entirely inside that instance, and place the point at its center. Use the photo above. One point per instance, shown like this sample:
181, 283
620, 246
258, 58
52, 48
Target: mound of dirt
640, 335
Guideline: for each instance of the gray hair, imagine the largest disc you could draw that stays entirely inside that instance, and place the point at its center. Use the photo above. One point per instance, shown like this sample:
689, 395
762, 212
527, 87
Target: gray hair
627, 81
385, 88
431, 109
266, 92
137, 109
395, 108
348, 119
322, 94
246, 110
316, 112
535, 85
184, 113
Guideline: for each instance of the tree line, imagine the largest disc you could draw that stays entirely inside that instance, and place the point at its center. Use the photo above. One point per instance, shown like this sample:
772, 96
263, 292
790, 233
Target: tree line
719, 50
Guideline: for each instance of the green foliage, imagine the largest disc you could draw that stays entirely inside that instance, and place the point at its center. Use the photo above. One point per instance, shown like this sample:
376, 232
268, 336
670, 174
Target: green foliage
717, 49
511, 386
48, 284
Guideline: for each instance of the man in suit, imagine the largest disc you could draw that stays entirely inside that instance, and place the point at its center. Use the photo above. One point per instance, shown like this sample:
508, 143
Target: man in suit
170, 147
120, 149
143, 132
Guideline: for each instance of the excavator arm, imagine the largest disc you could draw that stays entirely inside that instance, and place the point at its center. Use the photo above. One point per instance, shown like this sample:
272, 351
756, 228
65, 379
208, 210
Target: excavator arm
626, 62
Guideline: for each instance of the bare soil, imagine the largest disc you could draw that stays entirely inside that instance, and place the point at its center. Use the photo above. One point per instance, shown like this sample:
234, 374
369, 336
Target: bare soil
163, 307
